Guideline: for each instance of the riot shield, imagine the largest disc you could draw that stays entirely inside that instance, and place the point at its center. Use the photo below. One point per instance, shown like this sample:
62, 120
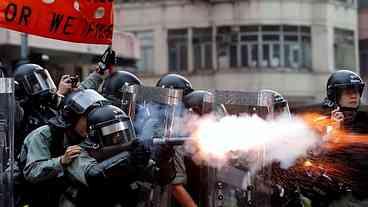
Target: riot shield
234, 184
156, 112
199, 104
239, 102
280, 106
152, 103
7, 103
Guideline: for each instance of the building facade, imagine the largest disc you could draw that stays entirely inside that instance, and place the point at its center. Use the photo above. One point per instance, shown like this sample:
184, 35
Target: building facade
363, 38
287, 45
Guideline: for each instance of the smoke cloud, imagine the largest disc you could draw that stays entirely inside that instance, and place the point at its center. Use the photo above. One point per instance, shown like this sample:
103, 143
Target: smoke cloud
250, 140
254, 141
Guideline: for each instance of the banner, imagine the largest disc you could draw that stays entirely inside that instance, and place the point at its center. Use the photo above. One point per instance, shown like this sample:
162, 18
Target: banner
83, 21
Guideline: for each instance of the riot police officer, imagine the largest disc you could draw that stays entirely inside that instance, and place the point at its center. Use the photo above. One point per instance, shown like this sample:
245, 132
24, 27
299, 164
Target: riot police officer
178, 190
111, 89
113, 158
37, 96
49, 149
38, 99
344, 90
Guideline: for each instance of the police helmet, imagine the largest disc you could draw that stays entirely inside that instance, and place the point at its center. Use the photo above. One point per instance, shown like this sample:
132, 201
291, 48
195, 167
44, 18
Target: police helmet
199, 102
343, 79
33, 80
76, 104
175, 81
112, 86
109, 125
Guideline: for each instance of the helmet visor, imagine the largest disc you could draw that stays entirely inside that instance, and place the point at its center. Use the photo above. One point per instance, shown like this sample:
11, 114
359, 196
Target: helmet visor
117, 133
39, 81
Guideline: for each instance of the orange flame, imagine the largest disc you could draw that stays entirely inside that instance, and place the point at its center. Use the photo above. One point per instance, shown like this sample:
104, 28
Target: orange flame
338, 147
332, 157
334, 137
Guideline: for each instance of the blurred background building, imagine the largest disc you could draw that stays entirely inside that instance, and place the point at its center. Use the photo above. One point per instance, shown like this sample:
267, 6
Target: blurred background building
287, 45
363, 37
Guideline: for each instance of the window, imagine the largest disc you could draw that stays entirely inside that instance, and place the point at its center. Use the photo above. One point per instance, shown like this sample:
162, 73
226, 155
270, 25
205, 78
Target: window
202, 46
268, 46
244, 50
297, 47
254, 55
348, 2
178, 50
306, 54
344, 48
271, 53
226, 47
146, 62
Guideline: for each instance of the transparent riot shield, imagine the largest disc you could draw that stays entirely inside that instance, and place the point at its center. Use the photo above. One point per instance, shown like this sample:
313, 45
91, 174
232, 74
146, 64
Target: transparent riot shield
235, 185
6, 141
280, 106
146, 105
157, 113
239, 102
197, 173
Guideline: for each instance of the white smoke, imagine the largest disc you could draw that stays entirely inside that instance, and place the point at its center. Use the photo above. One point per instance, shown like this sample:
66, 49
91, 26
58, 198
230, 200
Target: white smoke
251, 140
248, 139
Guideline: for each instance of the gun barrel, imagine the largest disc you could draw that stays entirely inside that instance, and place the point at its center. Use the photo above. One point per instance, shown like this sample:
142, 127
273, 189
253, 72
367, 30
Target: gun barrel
171, 141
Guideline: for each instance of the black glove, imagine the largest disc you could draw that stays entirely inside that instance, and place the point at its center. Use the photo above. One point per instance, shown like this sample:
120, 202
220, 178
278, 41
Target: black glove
140, 153
106, 60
